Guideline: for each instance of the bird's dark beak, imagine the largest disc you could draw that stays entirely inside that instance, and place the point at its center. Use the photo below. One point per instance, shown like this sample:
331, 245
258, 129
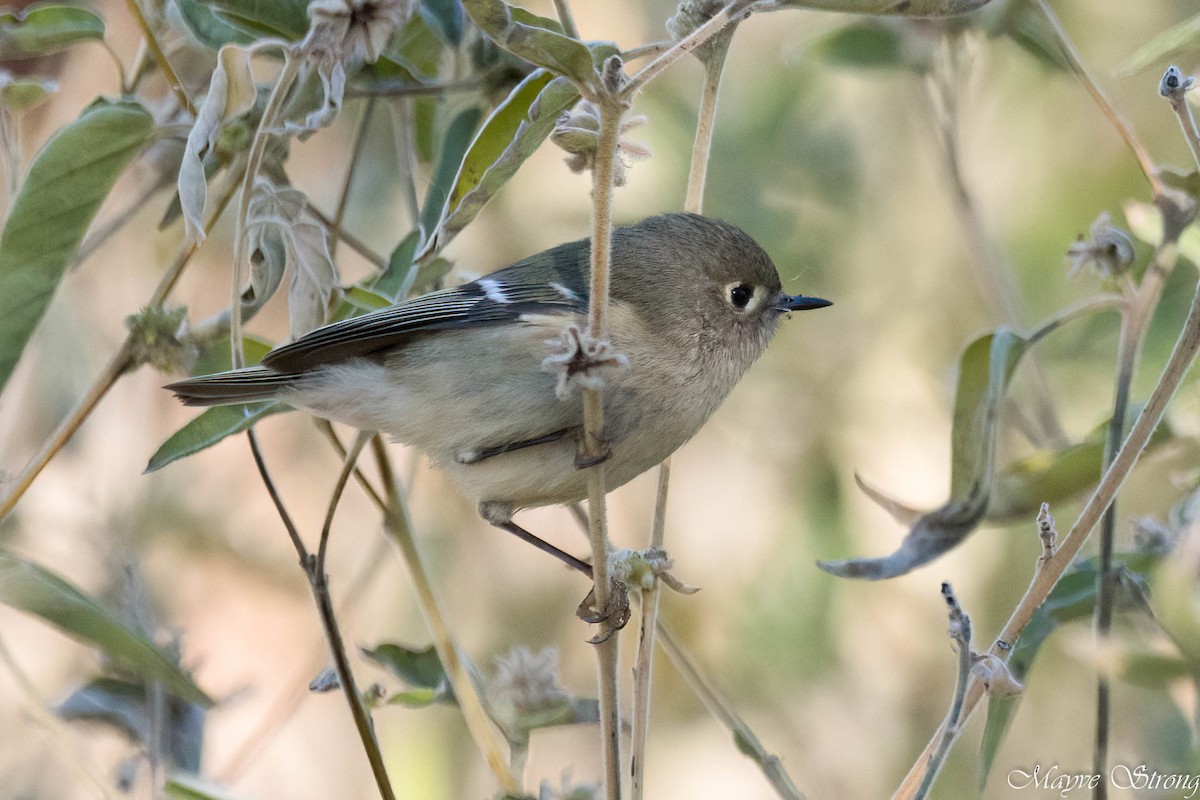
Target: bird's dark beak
798, 302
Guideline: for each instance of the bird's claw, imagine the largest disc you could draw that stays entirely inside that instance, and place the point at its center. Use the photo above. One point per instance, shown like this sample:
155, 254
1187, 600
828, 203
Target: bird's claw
612, 618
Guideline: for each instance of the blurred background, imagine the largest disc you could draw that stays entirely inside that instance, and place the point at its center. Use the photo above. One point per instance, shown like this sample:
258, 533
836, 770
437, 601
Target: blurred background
839, 172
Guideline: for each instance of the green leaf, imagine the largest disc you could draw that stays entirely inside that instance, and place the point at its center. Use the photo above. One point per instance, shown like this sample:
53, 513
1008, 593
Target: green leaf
1154, 670
864, 45
511, 134
400, 266
454, 145
419, 668
182, 786
29, 588
416, 698
208, 26
46, 29
20, 94
416, 48
1001, 709
211, 427
564, 711
62, 191
543, 47
984, 372
1054, 476
446, 18
1171, 43
284, 18
216, 354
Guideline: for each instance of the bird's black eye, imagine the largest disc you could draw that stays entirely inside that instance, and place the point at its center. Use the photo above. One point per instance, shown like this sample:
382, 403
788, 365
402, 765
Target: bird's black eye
740, 295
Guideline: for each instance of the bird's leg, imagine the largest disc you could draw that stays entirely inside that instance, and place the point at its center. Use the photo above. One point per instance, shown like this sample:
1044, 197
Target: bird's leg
475, 456
615, 616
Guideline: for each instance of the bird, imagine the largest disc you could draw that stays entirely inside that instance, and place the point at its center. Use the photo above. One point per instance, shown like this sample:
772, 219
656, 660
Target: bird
475, 375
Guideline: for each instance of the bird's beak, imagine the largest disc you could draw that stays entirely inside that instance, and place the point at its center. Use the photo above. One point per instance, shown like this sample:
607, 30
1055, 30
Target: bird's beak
798, 302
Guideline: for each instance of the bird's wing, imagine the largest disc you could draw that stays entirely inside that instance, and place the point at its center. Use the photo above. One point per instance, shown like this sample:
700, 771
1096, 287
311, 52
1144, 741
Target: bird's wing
545, 283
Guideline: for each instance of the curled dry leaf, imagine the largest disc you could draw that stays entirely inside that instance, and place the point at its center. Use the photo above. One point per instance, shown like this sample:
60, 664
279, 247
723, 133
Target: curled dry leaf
231, 93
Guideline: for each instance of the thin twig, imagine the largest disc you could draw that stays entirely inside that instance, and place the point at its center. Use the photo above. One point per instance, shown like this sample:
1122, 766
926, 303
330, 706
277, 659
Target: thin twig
993, 270
1076, 61
406, 156
716, 703
355, 244
160, 57
402, 88
343, 200
348, 461
258, 149
398, 527
566, 19
960, 634
1174, 87
705, 124
714, 62
644, 671
319, 585
730, 13
593, 447
118, 366
1135, 322
293, 689
1048, 572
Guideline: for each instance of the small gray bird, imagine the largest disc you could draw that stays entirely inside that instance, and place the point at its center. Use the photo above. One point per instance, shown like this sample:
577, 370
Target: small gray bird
460, 373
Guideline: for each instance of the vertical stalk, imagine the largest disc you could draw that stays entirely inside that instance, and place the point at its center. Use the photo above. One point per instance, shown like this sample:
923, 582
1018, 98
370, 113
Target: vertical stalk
398, 527
258, 148
714, 63
593, 446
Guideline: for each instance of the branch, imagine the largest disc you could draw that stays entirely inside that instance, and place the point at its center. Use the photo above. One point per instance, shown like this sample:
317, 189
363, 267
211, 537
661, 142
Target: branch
1076, 61
1049, 570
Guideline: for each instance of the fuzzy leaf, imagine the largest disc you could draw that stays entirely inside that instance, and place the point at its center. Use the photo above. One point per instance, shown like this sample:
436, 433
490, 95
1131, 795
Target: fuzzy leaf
46, 29
984, 372
34, 590
21, 94
511, 134
208, 26
454, 145
209, 428
285, 18
231, 93
62, 191
543, 47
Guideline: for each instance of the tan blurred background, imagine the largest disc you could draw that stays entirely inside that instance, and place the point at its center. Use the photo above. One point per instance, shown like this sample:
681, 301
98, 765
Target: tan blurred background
838, 174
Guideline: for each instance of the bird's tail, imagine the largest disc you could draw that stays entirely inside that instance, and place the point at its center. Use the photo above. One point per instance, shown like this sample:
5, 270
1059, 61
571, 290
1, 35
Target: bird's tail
236, 386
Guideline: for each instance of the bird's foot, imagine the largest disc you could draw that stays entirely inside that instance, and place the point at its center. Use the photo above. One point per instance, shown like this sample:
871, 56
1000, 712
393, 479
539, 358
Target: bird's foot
612, 617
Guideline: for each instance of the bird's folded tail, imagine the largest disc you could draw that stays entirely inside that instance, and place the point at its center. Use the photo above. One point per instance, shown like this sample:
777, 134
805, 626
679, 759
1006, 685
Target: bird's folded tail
236, 386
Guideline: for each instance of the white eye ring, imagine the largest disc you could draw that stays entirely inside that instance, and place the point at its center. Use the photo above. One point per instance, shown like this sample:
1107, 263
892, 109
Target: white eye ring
743, 297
